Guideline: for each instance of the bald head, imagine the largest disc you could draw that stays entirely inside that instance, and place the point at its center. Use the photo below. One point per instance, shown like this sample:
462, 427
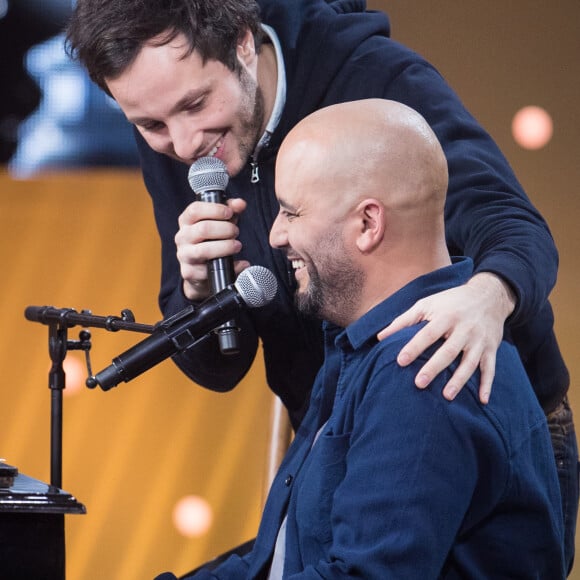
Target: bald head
373, 147
362, 182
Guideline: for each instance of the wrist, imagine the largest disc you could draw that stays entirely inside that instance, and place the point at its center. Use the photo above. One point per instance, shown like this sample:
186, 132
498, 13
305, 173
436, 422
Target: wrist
497, 289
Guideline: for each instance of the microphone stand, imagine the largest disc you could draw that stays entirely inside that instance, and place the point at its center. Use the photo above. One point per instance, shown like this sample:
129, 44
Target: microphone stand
59, 320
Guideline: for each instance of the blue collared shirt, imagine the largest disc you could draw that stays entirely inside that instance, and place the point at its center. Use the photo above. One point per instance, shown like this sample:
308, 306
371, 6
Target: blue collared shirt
402, 483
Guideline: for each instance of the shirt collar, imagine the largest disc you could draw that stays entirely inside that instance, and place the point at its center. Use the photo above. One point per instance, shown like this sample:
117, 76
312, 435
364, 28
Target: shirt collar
367, 327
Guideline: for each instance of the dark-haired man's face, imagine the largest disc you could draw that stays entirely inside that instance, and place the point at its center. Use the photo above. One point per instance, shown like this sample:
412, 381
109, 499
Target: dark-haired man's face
187, 109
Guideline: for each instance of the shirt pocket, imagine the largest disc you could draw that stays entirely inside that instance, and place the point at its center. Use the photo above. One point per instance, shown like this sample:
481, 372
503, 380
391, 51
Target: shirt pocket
323, 472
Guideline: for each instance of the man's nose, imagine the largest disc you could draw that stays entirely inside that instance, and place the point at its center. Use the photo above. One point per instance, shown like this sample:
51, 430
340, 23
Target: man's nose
187, 141
278, 234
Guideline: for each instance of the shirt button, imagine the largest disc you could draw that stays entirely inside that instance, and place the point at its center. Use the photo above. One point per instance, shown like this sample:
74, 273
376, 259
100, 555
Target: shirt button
288, 480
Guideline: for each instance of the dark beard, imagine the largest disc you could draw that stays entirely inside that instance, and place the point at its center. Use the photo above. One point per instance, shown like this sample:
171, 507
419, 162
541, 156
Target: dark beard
333, 295
311, 302
251, 125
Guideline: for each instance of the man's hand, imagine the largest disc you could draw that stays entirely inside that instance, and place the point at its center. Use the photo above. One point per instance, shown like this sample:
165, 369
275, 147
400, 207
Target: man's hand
471, 320
207, 231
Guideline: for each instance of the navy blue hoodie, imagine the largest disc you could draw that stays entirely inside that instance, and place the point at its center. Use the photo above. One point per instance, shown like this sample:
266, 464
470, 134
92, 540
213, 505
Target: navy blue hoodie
336, 51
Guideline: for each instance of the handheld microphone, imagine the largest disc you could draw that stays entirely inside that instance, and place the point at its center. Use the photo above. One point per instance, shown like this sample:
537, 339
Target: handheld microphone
255, 287
208, 177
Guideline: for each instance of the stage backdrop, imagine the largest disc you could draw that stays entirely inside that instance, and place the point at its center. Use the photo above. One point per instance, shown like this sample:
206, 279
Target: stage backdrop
86, 239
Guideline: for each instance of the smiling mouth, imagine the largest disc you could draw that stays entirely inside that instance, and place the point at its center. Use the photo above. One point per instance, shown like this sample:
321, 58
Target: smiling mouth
216, 147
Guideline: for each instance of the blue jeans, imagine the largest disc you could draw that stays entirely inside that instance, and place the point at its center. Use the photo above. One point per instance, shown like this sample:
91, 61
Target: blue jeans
561, 424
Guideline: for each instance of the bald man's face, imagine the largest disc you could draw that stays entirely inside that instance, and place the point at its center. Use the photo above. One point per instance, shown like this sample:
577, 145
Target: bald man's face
309, 228
342, 173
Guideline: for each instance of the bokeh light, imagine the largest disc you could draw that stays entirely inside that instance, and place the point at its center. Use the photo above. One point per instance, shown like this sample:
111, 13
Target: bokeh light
532, 127
192, 516
75, 371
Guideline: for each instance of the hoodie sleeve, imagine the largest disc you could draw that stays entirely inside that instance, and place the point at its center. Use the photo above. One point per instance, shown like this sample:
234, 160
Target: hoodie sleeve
166, 182
488, 215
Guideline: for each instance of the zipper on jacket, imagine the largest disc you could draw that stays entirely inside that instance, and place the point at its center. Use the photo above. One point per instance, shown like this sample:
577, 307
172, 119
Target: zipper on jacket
255, 175
279, 102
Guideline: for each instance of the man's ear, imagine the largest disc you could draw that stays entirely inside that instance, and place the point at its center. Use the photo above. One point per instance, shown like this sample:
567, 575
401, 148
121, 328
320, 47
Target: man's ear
371, 218
246, 48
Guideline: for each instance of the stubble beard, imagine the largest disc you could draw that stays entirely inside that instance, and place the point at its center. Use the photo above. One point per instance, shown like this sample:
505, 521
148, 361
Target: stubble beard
251, 115
334, 287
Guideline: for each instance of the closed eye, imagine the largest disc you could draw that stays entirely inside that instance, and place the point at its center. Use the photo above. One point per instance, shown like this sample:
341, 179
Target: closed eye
288, 210
151, 126
288, 214
194, 106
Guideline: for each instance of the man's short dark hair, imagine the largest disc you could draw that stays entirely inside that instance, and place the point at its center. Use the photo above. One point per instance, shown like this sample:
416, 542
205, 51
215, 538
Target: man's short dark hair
107, 35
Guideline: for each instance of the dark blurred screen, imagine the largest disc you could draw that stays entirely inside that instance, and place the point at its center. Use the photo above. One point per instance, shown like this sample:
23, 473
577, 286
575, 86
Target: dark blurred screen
51, 115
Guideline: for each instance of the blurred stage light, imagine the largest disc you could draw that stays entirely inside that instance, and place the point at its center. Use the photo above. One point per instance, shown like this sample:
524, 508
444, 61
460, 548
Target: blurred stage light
75, 371
76, 374
532, 127
192, 516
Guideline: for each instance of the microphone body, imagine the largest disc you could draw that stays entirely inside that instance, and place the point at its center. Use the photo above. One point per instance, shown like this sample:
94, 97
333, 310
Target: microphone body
255, 287
208, 177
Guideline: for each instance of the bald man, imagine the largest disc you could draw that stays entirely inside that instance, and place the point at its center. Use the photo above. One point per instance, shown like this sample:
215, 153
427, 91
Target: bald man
384, 480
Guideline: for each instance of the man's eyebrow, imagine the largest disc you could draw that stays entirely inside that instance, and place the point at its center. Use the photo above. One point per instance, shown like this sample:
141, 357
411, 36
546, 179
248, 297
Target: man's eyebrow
287, 206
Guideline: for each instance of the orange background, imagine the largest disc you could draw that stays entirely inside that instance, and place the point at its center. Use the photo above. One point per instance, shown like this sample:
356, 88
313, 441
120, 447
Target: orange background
87, 240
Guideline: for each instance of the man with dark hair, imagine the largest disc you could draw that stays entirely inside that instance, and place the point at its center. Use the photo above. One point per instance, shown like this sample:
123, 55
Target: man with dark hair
200, 78
384, 480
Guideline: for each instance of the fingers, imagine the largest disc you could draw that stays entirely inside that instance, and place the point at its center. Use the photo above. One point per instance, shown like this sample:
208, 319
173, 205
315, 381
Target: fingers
468, 366
487, 368
471, 360
464, 371
441, 359
237, 205
206, 241
240, 266
426, 337
408, 318
196, 283
206, 231
200, 210
196, 287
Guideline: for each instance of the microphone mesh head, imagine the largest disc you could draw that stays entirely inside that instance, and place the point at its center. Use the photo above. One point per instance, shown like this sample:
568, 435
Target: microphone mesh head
208, 174
257, 286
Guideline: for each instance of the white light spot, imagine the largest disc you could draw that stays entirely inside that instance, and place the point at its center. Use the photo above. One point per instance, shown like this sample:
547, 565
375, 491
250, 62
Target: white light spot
532, 127
192, 516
